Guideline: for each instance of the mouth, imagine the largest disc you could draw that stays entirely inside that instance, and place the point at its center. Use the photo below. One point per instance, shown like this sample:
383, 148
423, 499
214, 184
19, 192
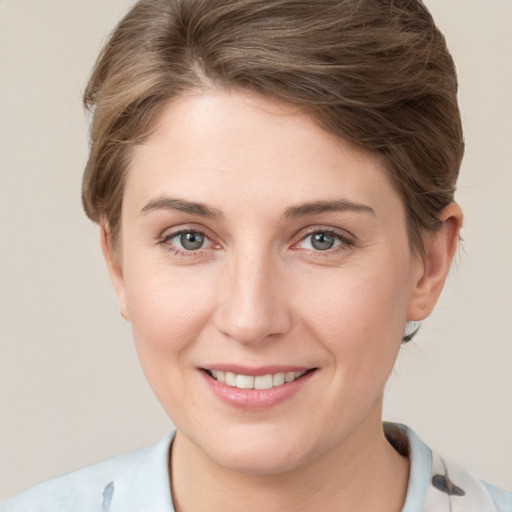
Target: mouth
259, 382
256, 389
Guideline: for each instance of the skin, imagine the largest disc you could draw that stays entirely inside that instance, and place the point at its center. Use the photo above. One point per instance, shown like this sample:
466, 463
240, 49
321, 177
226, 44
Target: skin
259, 293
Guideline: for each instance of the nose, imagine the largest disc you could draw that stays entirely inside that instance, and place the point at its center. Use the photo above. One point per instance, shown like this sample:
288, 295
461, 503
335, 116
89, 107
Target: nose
253, 306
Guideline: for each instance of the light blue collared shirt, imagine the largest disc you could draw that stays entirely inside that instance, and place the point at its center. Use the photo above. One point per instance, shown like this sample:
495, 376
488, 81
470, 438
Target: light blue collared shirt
139, 482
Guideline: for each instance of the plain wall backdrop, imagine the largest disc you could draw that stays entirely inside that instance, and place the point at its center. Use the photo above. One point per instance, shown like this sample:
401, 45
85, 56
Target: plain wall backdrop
71, 391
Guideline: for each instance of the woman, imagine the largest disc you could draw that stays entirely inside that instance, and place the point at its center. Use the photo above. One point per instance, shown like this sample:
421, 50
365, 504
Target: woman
274, 185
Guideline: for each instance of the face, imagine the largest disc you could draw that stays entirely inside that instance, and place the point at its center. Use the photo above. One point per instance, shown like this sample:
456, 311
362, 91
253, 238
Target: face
267, 275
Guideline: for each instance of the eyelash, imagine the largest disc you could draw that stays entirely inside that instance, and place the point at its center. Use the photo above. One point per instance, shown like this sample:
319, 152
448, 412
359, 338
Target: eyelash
346, 242
165, 241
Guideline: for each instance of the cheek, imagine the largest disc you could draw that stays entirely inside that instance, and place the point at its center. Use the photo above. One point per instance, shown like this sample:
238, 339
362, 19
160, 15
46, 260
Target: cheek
359, 314
167, 309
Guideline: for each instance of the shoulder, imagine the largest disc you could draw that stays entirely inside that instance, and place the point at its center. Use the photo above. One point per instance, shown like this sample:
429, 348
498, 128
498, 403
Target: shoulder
501, 498
85, 489
80, 490
441, 485
462, 488
94, 488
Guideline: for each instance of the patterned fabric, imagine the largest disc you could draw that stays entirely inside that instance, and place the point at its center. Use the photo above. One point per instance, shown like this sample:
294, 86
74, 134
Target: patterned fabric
139, 482
439, 485
454, 489
467, 495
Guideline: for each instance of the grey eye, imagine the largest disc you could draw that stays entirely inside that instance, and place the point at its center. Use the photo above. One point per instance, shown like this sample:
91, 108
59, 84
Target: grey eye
191, 240
322, 241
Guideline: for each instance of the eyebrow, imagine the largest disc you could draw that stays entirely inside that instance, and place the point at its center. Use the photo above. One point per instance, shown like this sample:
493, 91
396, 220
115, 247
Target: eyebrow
318, 207
293, 212
190, 207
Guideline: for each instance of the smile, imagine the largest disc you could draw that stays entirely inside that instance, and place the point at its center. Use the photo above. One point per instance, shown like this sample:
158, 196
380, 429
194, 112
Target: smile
268, 381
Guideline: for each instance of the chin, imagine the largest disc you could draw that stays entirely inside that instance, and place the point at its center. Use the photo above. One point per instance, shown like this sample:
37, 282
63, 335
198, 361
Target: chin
263, 450
258, 462
258, 449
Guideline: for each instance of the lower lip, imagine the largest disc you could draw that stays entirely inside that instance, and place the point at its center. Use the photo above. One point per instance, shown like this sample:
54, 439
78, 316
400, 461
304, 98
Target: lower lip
256, 399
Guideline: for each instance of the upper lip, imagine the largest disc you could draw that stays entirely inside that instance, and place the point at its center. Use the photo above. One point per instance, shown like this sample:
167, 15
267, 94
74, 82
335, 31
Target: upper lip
256, 371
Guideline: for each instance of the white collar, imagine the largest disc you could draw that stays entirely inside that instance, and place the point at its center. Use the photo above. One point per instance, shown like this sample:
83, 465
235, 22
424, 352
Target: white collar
434, 484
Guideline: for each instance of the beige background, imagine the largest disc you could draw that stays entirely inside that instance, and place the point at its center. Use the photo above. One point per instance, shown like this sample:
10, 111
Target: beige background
71, 392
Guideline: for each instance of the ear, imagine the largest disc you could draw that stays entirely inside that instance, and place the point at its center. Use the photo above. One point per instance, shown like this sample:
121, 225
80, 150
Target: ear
440, 248
114, 268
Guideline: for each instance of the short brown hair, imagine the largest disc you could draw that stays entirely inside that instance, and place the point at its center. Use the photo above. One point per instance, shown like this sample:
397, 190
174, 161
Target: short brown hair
375, 72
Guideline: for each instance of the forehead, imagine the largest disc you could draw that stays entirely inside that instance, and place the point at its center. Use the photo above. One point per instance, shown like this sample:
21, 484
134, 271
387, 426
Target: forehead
222, 147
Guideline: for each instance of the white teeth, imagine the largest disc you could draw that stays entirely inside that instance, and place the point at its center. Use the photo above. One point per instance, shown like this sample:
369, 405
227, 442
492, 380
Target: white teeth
263, 382
260, 382
278, 379
289, 377
244, 382
230, 379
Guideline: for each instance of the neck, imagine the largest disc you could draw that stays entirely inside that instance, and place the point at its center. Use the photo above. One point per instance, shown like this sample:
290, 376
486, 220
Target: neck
362, 473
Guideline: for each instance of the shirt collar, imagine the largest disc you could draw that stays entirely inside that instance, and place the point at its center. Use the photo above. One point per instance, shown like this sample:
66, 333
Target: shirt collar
436, 485
408, 444
144, 486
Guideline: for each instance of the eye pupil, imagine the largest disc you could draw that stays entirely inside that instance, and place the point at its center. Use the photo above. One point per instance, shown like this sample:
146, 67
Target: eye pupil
191, 240
322, 241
